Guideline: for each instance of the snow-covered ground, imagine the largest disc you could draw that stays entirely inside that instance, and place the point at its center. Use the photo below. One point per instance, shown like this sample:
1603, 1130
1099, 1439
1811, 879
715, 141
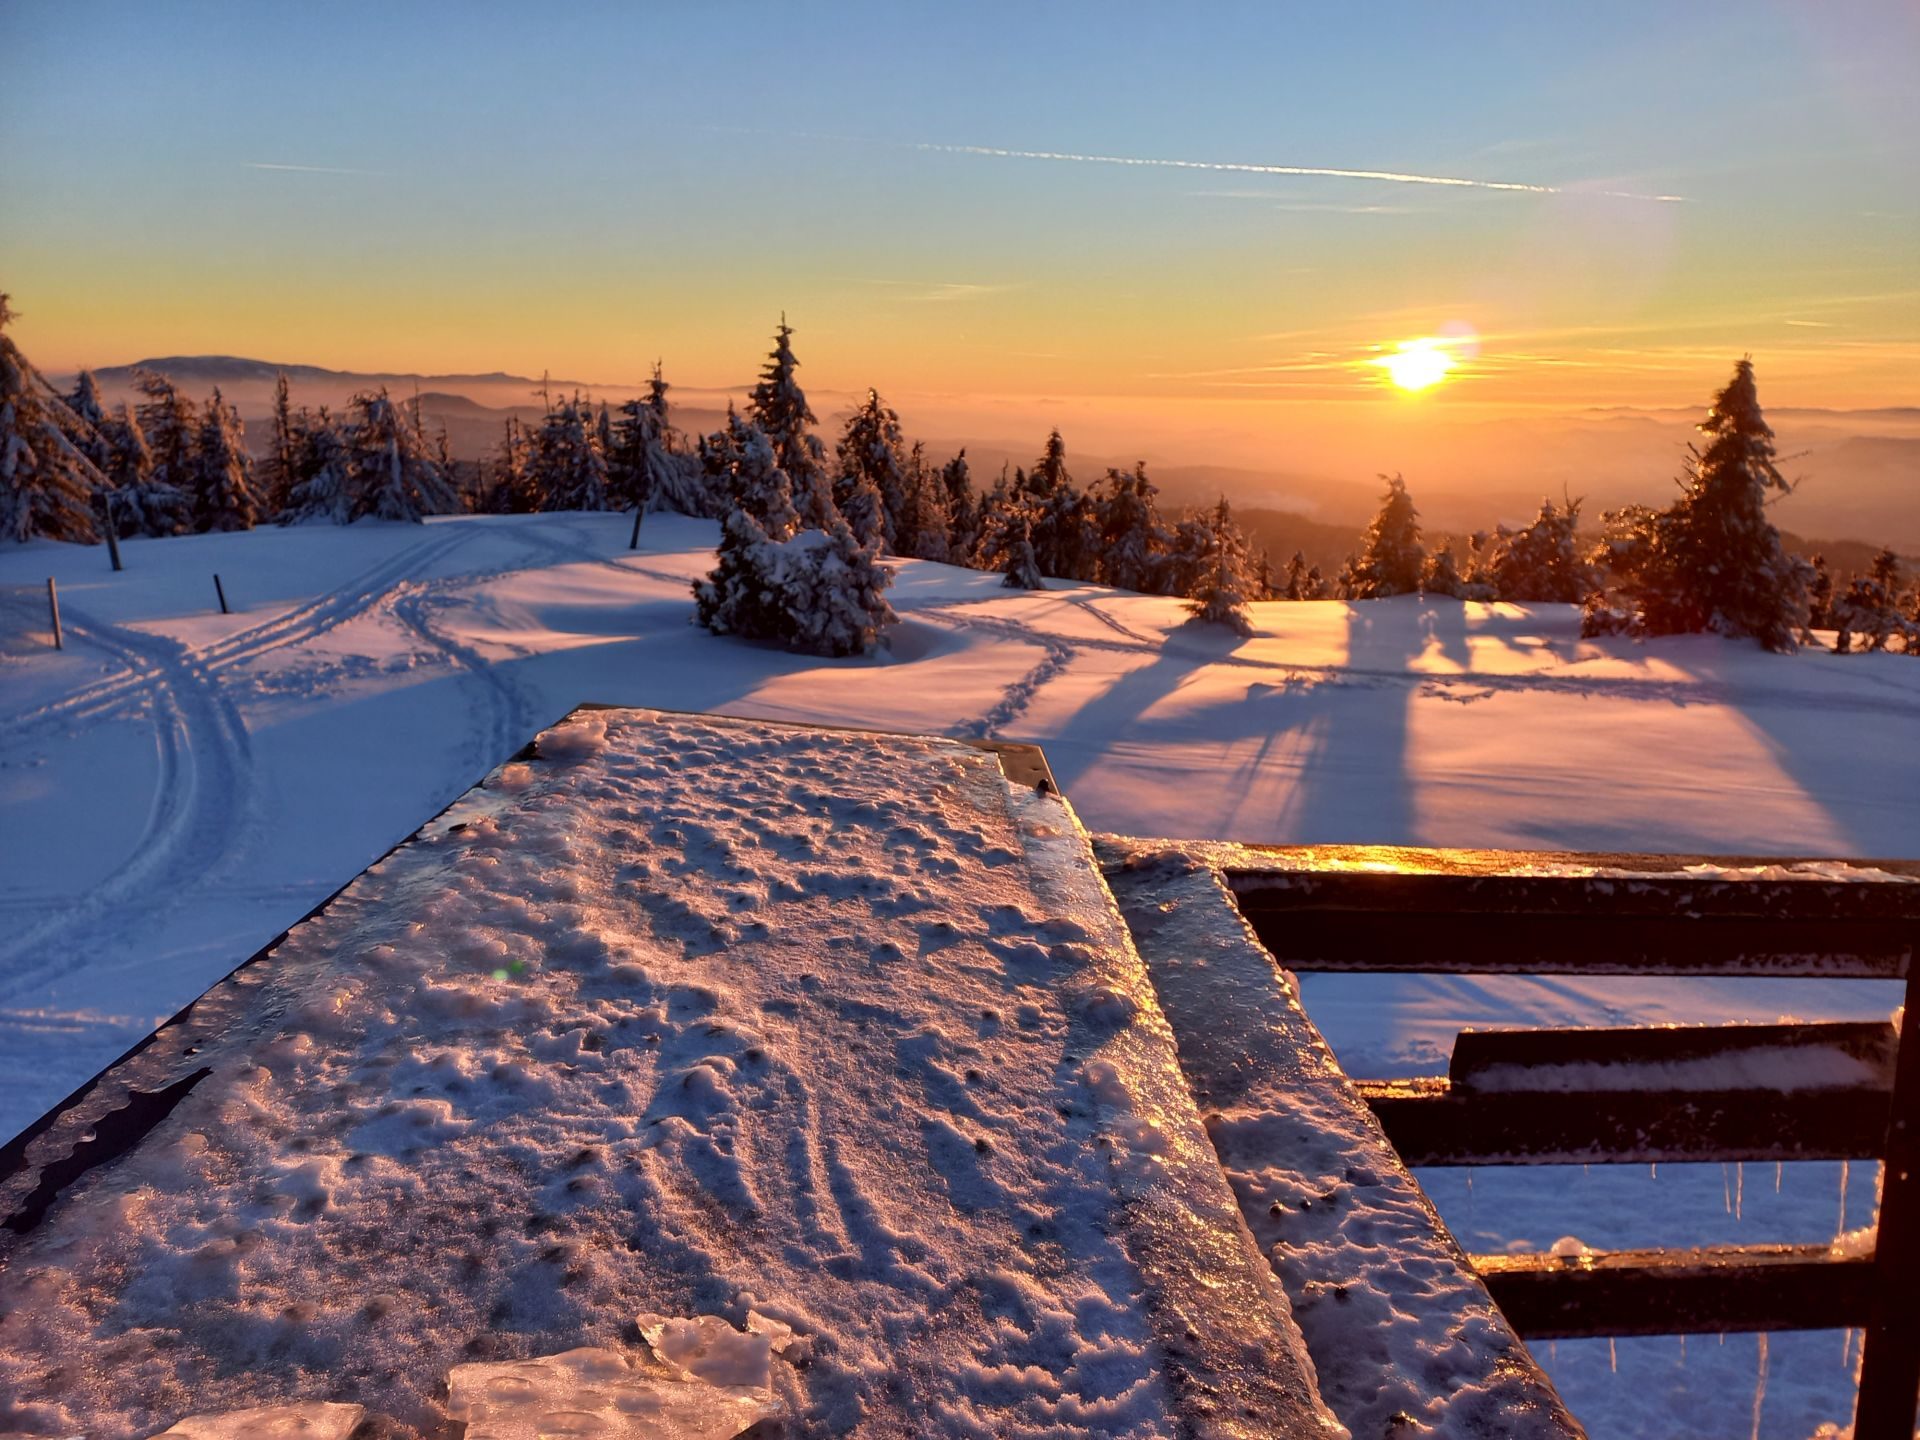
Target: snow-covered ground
177, 786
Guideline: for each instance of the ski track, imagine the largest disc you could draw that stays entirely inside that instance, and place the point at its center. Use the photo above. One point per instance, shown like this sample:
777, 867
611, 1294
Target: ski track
304, 622
199, 819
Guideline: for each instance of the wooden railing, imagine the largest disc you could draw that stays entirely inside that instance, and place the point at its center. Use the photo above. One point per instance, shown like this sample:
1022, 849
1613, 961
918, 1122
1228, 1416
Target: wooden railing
1649, 1094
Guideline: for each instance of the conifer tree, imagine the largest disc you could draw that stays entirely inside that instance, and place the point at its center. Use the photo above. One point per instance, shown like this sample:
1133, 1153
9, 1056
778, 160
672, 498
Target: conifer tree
91, 440
1133, 542
778, 406
567, 467
1049, 471
1711, 561
172, 429
1441, 576
322, 473
1390, 561
921, 528
872, 453
1065, 529
391, 473
963, 511
1540, 564
1021, 569
1819, 594
1222, 584
278, 470
47, 484
832, 591
139, 504
222, 496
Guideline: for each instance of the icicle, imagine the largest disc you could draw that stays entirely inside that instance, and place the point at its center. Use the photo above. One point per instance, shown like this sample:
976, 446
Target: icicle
1726, 1189
1842, 1228
1683, 1352
1739, 1186
1846, 1348
1653, 1172
1613, 1356
1777, 1168
1760, 1386
1553, 1351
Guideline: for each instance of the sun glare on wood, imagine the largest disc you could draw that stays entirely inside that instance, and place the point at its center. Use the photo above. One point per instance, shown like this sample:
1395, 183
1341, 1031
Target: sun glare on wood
1418, 364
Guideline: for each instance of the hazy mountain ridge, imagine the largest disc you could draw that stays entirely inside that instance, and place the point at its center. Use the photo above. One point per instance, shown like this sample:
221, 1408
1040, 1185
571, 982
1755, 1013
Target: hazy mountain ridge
1855, 470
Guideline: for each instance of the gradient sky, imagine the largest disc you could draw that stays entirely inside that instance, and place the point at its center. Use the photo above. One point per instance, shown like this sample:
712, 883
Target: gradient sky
581, 189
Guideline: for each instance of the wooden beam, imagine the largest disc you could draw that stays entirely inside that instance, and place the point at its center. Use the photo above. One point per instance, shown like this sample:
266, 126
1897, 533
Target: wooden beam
1434, 1122
1863, 1049
1890, 1351
1679, 1292
1476, 942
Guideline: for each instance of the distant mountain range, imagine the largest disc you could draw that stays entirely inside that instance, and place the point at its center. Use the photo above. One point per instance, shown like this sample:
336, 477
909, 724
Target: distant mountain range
1857, 471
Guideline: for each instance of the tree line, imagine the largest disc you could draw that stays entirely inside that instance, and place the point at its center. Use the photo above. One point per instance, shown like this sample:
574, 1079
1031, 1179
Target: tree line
803, 529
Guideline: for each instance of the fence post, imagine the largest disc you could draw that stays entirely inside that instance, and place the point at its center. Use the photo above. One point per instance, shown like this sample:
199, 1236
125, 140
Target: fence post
1890, 1354
221, 591
113, 530
53, 604
638, 511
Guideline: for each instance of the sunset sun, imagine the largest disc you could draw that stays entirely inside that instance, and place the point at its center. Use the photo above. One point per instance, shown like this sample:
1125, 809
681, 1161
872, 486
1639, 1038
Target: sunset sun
1418, 364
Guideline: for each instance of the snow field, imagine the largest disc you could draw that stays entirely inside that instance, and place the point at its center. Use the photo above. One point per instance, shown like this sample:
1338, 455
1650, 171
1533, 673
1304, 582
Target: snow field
177, 786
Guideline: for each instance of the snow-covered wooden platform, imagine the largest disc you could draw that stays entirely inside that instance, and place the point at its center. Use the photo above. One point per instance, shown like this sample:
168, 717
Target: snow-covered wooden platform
672, 1016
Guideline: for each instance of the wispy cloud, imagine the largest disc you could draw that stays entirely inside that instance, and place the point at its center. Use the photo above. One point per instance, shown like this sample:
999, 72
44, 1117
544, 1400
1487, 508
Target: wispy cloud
942, 291
1324, 172
307, 169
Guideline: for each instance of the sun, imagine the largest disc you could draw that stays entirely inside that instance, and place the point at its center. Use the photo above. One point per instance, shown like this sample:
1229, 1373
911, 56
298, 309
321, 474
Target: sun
1417, 364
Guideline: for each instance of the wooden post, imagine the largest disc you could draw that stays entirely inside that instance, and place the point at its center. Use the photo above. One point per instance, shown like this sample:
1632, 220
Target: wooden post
221, 591
53, 604
638, 511
112, 530
1890, 1354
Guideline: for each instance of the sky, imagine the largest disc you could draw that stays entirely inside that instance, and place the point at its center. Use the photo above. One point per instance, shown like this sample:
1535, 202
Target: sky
976, 208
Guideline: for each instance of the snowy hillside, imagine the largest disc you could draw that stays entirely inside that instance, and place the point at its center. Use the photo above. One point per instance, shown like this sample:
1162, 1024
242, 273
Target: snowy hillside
178, 786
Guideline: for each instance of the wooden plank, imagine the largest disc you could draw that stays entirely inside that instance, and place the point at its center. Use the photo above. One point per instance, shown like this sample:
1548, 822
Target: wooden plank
1679, 1292
1474, 942
1890, 1352
1433, 1122
1868, 1044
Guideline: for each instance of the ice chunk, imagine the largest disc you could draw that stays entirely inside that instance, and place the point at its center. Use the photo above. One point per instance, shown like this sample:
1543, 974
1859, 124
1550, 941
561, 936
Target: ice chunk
599, 1393
706, 1348
1572, 1247
307, 1420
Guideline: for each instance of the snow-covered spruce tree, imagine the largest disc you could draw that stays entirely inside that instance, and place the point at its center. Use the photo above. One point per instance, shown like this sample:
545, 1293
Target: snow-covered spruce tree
779, 407
1133, 542
1440, 576
1874, 610
47, 484
1819, 594
278, 470
323, 474
809, 589
172, 427
222, 497
1711, 561
832, 589
1222, 585
567, 467
872, 453
921, 529
963, 511
1303, 581
139, 504
91, 440
1391, 559
1020, 567
392, 475
1540, 564
1066, 538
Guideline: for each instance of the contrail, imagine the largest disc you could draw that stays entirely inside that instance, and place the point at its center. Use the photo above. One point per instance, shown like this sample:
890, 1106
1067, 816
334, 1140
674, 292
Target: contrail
308, 169
1396, 177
